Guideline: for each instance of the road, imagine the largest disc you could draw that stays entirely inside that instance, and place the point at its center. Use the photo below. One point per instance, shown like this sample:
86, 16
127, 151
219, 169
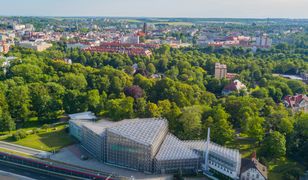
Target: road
43, 154
22, 149
28, 173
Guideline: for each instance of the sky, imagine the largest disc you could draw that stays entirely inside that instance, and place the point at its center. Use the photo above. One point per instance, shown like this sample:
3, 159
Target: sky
158, 8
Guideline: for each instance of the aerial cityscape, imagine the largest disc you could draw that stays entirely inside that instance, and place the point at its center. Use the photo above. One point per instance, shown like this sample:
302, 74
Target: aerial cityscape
158, 90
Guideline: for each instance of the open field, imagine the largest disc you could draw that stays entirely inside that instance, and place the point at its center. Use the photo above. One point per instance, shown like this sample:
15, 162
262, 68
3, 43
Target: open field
175, 23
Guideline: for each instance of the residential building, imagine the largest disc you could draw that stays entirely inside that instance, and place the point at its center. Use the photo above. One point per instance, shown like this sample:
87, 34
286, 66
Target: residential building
77, 45
132, 39
231, 76
129, 49
4, 47
3, 37
38, 45
18, 27
235, 86
252, 169
220, 71
263, 42
298, 102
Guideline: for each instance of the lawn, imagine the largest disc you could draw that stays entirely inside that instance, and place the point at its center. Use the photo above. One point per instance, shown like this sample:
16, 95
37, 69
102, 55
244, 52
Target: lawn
175, 23
51, 139
245, 145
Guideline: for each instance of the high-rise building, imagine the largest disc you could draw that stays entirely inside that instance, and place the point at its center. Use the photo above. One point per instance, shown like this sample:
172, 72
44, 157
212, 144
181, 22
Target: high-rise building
263, 42
145, 28
220, 71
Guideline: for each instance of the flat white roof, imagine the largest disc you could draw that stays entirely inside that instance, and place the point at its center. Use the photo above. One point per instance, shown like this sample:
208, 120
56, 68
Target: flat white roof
83, 116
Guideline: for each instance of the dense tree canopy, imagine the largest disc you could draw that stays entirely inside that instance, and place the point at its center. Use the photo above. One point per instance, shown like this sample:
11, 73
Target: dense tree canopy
176, 84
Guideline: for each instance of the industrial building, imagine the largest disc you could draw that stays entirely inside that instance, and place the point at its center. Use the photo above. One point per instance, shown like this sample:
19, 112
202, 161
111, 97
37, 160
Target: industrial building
146, 145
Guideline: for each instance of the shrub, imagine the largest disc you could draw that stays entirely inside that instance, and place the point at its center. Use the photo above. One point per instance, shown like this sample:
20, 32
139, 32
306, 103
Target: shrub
292, 173
45, 126
35, 130
20, 134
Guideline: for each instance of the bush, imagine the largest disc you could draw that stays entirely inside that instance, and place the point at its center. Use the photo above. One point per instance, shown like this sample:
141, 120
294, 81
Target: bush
45, 126
35, 131
20, 134
292, 173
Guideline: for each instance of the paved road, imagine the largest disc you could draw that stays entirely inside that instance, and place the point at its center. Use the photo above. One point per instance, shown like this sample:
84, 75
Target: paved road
22, 149
38, 153
28, 173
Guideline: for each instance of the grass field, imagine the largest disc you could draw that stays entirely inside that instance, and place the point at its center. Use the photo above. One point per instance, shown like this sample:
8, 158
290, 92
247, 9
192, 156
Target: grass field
246, 146
175, 23
51, 139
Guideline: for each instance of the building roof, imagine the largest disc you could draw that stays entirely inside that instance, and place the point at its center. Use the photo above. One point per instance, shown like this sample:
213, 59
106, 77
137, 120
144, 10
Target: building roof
143, 131
175, 149
236, 85
221, 66
200, 145
294, 101
253, 163
83, 116
98, 127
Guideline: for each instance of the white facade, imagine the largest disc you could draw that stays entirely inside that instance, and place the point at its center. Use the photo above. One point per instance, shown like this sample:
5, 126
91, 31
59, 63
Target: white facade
130, 39
38, 46
77, 45
263, 42
18, 27
252, 174
223, 160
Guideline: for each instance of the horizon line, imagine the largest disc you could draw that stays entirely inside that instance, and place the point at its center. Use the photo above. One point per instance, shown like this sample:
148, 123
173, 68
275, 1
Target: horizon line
158, 17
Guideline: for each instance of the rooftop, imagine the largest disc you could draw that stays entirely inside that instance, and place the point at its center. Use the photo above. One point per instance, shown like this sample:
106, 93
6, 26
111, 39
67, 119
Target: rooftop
200, 145
83, 116
143, 131
174, 149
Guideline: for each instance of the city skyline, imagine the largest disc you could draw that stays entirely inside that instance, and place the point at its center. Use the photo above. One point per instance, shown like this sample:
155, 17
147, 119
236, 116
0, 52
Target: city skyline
158, 8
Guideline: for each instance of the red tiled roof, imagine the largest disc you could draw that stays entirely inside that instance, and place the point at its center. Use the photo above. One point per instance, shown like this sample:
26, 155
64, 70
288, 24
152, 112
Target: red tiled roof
294, 101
